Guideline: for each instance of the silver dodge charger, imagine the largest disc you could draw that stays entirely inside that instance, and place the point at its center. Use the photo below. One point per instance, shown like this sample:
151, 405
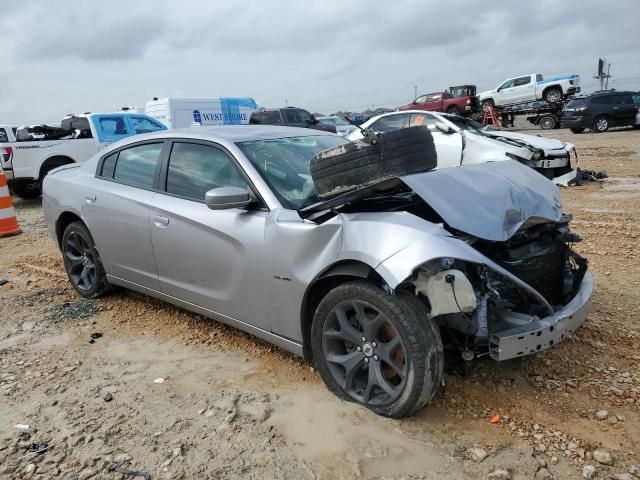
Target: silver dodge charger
374, 283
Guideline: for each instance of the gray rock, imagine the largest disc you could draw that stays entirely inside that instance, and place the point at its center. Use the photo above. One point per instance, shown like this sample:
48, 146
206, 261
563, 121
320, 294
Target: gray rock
544, 474
634, 470
588, 472
602, 414
623, 476
31, 468
499, 473
603, 457
122, 458
86, 473
477, 454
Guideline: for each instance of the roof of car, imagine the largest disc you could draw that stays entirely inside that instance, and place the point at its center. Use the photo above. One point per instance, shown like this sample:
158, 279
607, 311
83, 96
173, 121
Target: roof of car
234, 133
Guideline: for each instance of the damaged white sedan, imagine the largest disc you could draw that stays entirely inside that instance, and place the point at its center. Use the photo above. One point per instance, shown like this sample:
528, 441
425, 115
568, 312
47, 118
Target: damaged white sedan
462, 141
372, 284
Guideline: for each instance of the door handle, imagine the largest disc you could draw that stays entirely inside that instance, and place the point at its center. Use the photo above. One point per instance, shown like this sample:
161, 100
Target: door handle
90, 198
160, 221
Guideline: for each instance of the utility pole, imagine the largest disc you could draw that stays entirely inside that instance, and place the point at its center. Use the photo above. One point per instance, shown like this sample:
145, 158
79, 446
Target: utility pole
286, 102
603, 77
415, 92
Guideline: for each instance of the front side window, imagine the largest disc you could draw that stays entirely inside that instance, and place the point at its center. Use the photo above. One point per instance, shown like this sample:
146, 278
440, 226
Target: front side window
144, 125
421, 99
418, 119
137, 165
305, 117
283, 163
113, 126
291, 114
3, 135
195, 169
507, 84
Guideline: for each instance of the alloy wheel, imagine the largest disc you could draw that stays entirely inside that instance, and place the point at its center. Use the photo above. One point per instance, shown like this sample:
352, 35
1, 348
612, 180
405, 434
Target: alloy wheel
81, 261
365, 353
553, 96
602, 124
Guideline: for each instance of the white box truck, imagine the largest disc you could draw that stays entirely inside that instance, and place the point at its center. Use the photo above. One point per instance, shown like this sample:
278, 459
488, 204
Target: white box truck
186, 112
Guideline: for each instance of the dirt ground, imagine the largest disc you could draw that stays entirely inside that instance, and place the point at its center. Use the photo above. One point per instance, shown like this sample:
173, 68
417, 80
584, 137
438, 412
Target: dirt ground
230, 406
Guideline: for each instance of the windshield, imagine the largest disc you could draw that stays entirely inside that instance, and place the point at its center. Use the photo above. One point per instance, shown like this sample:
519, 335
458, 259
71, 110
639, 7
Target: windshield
469, 125
284, 164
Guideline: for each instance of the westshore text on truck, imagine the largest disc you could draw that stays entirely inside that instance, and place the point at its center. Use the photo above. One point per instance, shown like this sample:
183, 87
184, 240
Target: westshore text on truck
186, 112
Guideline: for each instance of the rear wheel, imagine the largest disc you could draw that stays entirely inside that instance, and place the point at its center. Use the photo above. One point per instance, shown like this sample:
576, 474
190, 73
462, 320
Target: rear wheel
553, 95
577, 129
453, 110
547, 122
82, 262
600, 124
376, 349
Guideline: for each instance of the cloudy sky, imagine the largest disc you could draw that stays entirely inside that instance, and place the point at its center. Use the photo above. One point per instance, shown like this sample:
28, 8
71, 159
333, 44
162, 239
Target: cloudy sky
74, 56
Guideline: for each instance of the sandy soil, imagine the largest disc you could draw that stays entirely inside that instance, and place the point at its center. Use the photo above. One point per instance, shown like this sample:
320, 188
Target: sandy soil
231, 406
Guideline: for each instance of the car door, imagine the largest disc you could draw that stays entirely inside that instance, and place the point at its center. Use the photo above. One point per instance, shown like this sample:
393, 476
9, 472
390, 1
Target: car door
292, 118
117, 211
504, 93
448, 145
626, 112
523, 89
209, 258
421, 102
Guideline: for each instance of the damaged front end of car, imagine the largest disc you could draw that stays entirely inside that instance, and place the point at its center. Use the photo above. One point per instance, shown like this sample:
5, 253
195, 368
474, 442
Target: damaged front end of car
530, 293
504, 280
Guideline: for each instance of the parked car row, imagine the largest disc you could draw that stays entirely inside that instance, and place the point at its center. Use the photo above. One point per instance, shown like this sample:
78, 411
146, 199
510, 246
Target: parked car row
601, 111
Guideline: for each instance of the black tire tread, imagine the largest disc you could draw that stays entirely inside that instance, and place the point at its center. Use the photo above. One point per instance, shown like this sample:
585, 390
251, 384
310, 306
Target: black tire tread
419, 337
102, 286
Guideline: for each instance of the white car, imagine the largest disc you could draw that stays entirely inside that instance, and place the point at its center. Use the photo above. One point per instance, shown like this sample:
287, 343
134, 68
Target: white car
461, 141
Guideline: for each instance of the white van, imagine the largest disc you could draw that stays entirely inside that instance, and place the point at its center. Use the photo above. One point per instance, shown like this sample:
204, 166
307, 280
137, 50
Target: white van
186, 112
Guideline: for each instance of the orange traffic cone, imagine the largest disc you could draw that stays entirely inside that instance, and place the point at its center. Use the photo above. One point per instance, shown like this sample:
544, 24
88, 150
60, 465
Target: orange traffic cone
8, 221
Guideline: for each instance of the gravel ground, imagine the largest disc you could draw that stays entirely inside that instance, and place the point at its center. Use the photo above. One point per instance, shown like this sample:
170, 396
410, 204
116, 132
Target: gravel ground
131, 381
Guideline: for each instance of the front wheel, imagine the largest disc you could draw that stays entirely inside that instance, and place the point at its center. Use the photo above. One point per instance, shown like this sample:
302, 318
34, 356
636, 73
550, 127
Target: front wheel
377, 349
600, 125
82, 262
453, 110
547, 123
487, 104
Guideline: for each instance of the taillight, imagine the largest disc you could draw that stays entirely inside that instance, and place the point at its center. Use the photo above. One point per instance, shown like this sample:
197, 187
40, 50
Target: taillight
7, 157
582, 109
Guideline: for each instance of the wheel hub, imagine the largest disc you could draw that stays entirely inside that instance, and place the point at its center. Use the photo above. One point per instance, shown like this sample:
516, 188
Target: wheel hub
367, 349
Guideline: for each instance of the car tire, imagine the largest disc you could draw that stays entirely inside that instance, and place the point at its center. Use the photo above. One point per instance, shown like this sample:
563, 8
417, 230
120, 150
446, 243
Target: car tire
577, 129
82, 262
553, 95
488, 103
600, 124
399, 152
547, 122
453, 110
396, 371
27, 191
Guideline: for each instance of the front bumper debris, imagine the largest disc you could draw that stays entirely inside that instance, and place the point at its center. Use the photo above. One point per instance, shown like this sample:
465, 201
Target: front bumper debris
541, 334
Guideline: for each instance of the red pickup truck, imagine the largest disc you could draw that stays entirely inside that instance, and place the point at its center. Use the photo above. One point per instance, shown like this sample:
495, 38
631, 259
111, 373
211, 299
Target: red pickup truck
458, 100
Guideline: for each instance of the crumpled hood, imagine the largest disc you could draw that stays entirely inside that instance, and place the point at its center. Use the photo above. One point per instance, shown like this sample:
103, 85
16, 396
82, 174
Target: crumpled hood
491, 200
533, 140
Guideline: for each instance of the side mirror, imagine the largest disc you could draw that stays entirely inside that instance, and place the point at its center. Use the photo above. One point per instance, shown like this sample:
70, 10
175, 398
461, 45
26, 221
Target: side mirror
223, 198
444, 128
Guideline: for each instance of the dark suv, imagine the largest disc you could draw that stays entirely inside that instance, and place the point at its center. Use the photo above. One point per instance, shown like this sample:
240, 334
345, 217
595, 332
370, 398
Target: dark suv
599, 111
290, 117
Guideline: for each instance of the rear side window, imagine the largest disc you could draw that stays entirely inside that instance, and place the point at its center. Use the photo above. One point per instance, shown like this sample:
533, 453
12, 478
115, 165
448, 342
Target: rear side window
77, 123
195, 169
109, 165
578, 102
520, 81
144, 125
603, 100
137, 165
3, 135
427, 120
